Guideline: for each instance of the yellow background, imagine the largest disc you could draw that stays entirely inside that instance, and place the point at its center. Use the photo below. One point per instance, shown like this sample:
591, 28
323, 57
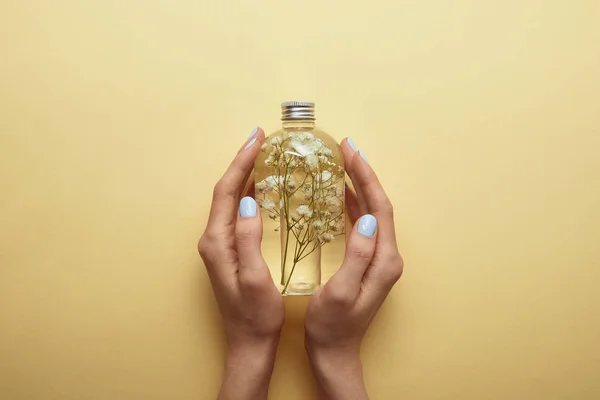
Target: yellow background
482, 119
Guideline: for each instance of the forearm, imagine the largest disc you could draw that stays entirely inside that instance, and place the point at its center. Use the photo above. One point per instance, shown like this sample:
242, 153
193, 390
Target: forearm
339, 374
248, 370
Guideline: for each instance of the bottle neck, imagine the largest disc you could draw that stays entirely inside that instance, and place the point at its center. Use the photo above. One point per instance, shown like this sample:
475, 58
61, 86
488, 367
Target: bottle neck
299, 124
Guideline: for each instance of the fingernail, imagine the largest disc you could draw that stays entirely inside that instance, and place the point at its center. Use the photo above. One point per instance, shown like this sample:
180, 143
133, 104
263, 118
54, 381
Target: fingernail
363, 156
367, 225
250, 143
253, 132
351, 144
247, 207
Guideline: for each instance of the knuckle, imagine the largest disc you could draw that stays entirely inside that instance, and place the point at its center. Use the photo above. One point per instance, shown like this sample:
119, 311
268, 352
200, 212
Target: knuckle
244, 236
221, 188
394, 269
204, 246
340, 297
253, 283
361, 255
387, 206
217, 189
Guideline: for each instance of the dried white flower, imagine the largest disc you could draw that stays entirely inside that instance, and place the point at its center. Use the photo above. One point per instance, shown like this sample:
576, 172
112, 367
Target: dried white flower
270, 181
304, 211
336, 226
304, 143
291, 184
266, 203
312, 161
333, 204
303, 136
276, 141
295, 216
318, 225
325, 176
270, 160
264, 186
326, 237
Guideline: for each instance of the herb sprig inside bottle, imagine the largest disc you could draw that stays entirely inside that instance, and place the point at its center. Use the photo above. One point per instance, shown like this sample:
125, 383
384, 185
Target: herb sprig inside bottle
300, 184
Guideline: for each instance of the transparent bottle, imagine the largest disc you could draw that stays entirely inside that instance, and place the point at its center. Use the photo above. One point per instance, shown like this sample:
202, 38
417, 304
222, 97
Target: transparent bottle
299, 186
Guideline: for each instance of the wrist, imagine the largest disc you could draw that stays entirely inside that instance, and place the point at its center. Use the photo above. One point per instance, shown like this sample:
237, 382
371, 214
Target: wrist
260, 351
338, 371
248, 369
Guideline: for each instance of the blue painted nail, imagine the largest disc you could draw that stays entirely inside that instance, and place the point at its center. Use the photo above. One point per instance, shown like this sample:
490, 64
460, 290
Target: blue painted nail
351, 144
363, 156
253, 132
247, 207
367, 225
250, 143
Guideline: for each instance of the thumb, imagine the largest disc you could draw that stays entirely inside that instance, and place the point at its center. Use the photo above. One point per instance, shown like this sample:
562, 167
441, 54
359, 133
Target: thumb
248, 235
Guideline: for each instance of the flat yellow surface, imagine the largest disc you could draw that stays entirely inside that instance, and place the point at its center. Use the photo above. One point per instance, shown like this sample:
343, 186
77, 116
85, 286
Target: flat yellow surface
482, 119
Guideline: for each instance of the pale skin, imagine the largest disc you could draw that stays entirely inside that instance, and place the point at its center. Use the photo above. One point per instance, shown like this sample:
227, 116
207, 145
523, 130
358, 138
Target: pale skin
252, 309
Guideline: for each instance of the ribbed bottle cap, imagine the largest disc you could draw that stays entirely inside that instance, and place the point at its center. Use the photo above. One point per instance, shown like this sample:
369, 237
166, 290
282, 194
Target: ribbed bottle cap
293, 110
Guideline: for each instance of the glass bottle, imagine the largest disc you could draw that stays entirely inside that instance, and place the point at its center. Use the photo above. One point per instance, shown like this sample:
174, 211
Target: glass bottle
299, 186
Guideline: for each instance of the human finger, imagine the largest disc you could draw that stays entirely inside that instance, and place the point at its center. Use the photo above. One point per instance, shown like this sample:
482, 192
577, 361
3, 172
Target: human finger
228, 190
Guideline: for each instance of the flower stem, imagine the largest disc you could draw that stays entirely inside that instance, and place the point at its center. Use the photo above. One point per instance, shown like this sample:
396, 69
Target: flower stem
287, 227
283, 291
284, 260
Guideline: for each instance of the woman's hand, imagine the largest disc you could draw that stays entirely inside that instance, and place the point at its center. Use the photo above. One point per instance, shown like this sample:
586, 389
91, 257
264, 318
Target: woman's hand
340, 312
251, 307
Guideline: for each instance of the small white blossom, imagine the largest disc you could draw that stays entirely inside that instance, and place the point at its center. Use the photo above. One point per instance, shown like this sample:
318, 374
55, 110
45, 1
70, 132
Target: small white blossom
304, 211
270, 160
336, 226
326, 237
303, 136
267, 203
304, 143
273, 216
318, 225
271, 181
264, 186
276, 141
291, 184
325, 176
312, 161
263, 147
295, 216
333, 204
